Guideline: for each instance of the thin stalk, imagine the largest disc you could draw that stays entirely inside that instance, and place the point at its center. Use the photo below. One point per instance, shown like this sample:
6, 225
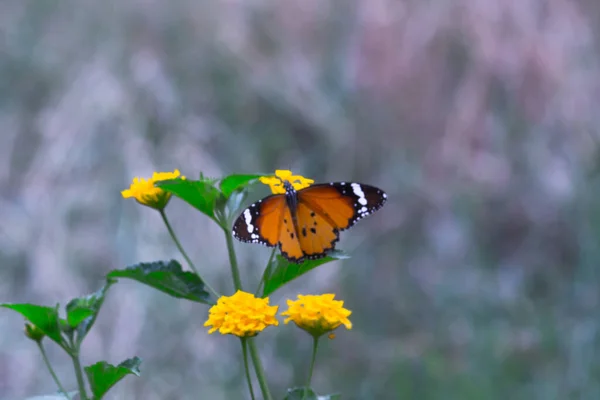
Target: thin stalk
312, 364
235, 272
49, 366
183, 253
266, 272
260, 372
79, 375
246, 367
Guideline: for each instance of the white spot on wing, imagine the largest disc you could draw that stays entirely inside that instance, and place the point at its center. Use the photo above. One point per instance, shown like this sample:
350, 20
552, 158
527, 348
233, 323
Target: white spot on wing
359, 193
248, 219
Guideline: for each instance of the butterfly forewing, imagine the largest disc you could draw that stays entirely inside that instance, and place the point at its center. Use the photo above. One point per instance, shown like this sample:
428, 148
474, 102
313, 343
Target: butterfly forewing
261, 222
344, 203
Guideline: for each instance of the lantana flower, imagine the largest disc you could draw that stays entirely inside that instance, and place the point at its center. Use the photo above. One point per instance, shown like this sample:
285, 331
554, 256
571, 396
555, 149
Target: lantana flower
281, 175
317, 314
144, 191
242, 315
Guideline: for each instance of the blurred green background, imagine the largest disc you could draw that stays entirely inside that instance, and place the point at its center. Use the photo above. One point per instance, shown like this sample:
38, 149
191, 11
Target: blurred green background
479, 278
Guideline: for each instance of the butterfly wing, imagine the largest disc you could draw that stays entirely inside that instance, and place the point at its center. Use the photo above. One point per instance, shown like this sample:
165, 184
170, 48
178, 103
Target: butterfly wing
317, 233
343, 203
261, 222
269, 222
289, 240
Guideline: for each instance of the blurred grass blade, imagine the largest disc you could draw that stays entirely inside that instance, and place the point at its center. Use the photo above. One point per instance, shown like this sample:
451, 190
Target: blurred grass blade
283, 271
168, 277
299, 393
102, 376
72, 395
200, 194
44, 318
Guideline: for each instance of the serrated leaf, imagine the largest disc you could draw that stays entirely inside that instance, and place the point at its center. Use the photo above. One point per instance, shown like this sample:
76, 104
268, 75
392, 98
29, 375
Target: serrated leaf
302, 393
232, 182
102, 376
82, 311
282, 271
168, 277
44, 318
200, 194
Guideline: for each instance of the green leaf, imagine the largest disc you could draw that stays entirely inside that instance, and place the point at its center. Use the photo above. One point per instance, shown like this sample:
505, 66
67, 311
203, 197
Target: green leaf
82, 311
232, 182
299, 393
200, 194
282, 271
102, 375
44, 318
168, 277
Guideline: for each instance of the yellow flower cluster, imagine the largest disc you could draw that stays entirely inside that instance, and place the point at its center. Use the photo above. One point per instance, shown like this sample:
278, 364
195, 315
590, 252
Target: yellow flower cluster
281, 175
317, 314
144, 191
241, 315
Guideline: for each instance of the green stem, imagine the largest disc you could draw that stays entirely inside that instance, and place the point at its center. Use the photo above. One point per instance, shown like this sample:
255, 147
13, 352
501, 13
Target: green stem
312, 364
49, 366
266, 273
183, 253
235, 272
260, 372
237, 283
246, 367
79, 375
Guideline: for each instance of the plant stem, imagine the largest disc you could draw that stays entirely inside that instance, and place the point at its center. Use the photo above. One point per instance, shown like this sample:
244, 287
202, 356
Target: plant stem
49, 366
260, 373
237, 283
184, 254
79, 375
266, 273
312, 364
235, 272
246, 367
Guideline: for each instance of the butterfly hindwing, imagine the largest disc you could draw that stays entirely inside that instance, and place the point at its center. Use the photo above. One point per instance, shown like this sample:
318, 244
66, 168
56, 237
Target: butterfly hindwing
343, 203
289, 243
261, 222
316, 233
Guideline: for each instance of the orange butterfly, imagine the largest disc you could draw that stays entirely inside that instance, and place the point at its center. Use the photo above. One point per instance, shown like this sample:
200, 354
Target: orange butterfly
305, 223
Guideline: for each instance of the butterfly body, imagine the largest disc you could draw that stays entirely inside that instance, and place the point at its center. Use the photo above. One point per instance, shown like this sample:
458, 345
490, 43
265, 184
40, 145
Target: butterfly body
305, 223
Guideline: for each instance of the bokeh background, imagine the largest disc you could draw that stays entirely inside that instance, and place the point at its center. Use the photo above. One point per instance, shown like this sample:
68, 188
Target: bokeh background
478, 280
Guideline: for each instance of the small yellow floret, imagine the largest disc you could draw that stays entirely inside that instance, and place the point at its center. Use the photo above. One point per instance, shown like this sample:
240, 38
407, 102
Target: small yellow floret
241, 315
317, 314
144, 191
281, 175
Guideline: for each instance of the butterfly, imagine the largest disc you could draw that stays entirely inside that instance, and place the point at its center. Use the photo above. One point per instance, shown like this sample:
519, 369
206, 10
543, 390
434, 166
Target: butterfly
305, 223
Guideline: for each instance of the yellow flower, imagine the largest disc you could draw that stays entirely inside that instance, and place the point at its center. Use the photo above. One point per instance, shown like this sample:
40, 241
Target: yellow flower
317, 314
281, 175
144, 191
241, 315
